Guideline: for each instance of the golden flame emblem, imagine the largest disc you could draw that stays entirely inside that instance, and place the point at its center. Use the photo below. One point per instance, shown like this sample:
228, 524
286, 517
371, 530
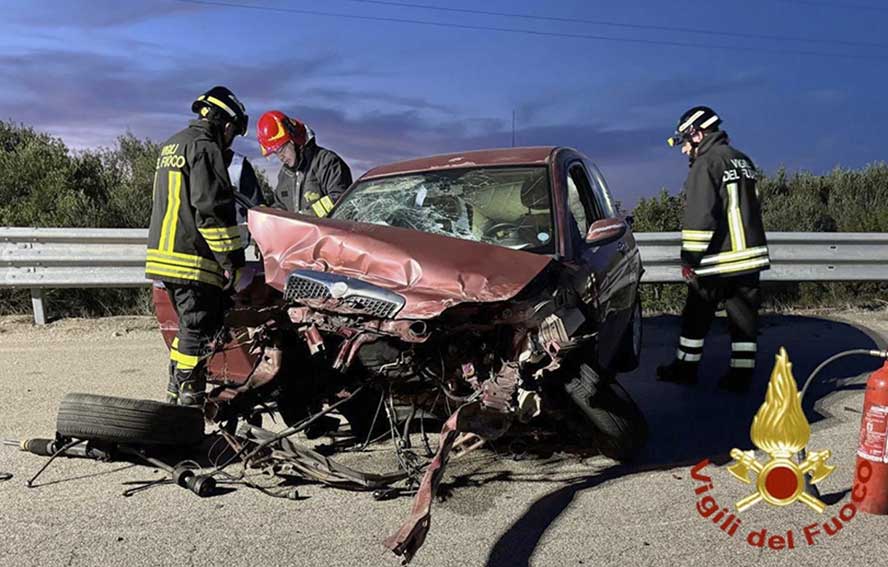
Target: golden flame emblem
780, 429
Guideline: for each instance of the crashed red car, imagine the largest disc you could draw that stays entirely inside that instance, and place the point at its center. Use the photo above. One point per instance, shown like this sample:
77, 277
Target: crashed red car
505, 280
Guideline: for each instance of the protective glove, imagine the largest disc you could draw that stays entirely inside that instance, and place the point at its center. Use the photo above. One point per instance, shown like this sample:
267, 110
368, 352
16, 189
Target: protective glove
688, 273
239, 280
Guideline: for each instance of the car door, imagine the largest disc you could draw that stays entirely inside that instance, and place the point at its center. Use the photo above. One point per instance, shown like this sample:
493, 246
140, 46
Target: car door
626, 268
599, 261
610, 263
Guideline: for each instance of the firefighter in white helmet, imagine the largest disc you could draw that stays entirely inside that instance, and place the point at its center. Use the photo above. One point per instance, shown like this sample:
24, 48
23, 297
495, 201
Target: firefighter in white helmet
723, 250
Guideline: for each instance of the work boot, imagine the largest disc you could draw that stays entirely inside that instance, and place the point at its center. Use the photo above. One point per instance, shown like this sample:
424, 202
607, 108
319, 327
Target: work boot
678, 372
192, 388
737, 380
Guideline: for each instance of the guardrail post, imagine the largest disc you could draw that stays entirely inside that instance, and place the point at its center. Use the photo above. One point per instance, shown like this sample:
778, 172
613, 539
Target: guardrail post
37, 303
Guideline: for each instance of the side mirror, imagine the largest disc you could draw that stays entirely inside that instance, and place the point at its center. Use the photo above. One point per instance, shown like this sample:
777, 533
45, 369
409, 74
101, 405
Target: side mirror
605, 231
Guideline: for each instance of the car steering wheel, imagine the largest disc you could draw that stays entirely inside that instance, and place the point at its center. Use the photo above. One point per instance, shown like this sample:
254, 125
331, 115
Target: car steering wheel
511, 226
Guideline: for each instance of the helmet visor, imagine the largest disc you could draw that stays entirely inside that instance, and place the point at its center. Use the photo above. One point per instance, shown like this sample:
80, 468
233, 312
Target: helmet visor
277, 150
677, 139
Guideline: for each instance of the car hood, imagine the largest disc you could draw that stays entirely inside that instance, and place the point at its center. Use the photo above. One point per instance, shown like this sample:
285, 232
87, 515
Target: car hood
431, 272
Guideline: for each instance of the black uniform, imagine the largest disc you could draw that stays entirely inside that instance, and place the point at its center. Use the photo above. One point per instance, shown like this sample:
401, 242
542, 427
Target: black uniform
315, 184
723, 240
193, 240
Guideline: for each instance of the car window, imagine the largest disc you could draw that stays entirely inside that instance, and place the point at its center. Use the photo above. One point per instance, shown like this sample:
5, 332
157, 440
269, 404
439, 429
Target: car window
506, 206
575, 206
578, 199
600, 189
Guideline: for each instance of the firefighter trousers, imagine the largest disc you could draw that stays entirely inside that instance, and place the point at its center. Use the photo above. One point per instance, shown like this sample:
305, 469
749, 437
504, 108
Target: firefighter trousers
200, 308
742, 298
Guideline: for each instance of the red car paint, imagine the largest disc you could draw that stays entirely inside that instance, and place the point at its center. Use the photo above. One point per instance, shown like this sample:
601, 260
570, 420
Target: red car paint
432, 272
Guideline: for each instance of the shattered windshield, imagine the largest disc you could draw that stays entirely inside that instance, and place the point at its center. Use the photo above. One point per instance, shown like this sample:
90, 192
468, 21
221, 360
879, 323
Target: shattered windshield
504, 206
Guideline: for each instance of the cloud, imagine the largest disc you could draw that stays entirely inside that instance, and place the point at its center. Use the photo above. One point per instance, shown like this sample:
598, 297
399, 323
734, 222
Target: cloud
342, 96
685, 90
95, 13
91, 94
89, 99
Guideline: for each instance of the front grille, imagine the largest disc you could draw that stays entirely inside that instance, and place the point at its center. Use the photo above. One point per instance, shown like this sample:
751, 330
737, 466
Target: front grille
302, 288
351, 293
371, 306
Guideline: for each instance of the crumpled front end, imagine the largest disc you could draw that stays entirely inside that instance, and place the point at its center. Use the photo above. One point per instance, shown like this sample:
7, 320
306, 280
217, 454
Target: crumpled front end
424, 318
431, 272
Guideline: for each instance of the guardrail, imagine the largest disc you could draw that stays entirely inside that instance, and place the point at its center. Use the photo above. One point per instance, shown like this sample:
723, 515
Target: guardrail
41, 258
795, 256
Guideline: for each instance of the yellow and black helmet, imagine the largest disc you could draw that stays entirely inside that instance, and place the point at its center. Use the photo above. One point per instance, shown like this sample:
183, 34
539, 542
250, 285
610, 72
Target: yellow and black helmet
222, 102
699, 118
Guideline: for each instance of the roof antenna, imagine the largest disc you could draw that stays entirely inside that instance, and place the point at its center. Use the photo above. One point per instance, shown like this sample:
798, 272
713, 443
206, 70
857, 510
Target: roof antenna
513, 127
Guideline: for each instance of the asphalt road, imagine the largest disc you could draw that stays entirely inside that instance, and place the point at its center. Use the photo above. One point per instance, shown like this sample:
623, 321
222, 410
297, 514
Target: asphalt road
562, 510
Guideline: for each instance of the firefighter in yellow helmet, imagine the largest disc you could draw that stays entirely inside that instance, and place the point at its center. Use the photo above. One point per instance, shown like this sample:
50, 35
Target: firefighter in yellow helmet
194, 245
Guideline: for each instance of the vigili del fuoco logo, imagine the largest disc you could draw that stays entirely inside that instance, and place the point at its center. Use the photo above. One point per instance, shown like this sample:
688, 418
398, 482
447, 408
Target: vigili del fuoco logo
780, 430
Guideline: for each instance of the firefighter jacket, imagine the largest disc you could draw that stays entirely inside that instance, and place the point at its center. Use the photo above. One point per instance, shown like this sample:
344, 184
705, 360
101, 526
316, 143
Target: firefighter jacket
722, 232
315, 184
193, 236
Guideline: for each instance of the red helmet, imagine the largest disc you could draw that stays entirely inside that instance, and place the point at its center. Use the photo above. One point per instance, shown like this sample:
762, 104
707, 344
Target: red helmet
275, 129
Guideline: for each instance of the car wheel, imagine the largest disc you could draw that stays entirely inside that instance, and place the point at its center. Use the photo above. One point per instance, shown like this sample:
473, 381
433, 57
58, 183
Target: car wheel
125, 420
629, 353
618, 427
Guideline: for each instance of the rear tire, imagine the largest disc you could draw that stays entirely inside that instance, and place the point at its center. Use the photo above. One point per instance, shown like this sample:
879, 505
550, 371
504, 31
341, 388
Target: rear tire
616, 425
125, 420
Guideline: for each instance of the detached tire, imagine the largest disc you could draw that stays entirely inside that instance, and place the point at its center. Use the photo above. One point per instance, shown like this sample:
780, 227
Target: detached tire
618, 427
125, 420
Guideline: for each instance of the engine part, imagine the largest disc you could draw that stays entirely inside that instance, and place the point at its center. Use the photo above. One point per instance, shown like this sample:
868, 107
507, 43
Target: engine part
498, 392
314, 340
50, 447
201, 484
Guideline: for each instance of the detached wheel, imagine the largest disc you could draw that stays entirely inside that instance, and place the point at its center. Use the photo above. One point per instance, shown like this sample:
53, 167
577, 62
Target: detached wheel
125, 420
629, 354
612, 418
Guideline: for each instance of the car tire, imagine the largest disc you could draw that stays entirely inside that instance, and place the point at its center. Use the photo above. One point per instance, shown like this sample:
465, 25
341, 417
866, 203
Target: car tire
629, 354
618, 428
125, 420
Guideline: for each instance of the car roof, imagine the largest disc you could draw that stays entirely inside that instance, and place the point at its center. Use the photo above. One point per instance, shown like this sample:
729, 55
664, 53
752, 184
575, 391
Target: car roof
538, 155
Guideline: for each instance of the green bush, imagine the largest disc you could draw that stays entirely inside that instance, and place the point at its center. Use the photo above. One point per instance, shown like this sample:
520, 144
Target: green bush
43, 184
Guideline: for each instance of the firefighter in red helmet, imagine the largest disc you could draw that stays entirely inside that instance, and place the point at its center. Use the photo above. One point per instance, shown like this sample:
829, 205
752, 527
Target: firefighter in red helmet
312, 178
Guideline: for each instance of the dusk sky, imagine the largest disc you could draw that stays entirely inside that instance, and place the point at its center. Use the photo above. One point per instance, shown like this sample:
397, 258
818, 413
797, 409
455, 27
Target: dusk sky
799, 83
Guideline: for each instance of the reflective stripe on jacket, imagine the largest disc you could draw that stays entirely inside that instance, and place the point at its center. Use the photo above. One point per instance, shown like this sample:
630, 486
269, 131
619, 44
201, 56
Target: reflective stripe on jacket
193, 235
723, 233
